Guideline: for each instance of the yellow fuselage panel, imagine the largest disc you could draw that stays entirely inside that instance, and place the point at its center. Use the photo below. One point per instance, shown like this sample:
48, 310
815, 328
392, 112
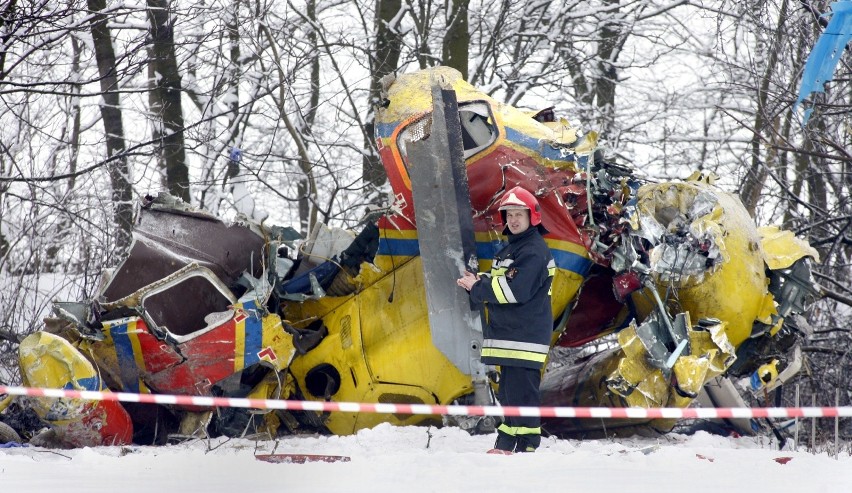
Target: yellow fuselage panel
783, 248
382, 349
49, 361
379, 341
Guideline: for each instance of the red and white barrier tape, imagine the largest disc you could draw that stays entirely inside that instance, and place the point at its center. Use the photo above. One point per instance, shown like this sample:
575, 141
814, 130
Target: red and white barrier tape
452, 410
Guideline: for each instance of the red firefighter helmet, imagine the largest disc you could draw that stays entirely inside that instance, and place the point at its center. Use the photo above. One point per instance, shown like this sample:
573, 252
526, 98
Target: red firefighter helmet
519, 198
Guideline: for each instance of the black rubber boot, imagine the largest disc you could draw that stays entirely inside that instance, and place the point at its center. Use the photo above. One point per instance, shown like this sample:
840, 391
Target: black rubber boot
528, 443
505, 442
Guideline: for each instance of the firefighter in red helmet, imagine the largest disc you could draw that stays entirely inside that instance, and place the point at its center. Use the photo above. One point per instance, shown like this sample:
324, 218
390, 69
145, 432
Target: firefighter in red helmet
515, 296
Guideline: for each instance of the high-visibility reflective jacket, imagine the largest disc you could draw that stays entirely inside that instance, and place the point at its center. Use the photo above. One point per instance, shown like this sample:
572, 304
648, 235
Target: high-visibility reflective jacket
516, 299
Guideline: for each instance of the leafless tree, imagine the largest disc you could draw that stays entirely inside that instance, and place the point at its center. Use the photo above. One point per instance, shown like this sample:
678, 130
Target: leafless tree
266, 109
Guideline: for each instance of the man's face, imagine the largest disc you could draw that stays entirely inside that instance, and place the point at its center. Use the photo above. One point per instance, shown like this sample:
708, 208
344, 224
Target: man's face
518, 220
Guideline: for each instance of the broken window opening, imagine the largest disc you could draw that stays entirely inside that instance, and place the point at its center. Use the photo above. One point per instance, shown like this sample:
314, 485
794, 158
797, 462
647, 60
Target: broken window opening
205, 298
477, 124
478, 131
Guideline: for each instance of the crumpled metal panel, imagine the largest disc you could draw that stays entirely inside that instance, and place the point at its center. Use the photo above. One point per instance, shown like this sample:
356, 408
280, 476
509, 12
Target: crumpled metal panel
644, 384
783, 248
49, 361
699, 221
169, 237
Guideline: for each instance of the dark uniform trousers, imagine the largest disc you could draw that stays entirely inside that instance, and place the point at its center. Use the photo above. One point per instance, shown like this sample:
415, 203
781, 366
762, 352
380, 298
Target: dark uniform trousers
519, 387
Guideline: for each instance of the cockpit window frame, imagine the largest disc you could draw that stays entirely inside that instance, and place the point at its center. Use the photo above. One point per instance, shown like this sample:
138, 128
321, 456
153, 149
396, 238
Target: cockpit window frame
483, 109
489, 120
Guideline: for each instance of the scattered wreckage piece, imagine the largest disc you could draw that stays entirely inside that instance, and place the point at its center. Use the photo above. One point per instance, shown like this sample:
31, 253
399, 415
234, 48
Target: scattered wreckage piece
198, 325
300, 458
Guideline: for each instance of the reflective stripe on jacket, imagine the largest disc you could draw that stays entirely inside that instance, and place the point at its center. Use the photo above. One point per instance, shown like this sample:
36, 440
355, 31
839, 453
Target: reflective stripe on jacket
516, 297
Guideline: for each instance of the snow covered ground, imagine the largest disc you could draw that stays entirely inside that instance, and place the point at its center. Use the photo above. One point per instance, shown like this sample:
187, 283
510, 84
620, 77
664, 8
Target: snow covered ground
418, 459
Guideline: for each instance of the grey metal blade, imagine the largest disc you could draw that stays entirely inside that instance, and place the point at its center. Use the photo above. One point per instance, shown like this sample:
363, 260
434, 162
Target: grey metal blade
446, 238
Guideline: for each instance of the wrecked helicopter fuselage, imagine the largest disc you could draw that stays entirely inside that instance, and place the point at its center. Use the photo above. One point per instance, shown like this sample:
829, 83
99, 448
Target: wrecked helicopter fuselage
691, 289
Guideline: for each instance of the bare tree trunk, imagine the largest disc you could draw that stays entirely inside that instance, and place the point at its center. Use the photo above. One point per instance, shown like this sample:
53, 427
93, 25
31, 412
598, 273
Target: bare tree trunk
310, 188
818, 173
169, 88
422, 18
74, 141
4, 187
611, 42
311, 113
490, 52
388, 45
155, 107
64, 226
756, 176
8, 13
5, 18
801, 169
303, 187
113, 126
457, 39
233, 79
303, 191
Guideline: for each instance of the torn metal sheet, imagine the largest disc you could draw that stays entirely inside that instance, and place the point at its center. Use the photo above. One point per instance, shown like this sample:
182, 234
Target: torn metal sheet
644, 379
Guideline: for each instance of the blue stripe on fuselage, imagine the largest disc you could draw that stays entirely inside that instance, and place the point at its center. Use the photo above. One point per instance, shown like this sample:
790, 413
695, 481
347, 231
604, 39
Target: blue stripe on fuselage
399, 247
543, 148
253, 334
90, 383
385, 130
570, 261
564, 259
127, 368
